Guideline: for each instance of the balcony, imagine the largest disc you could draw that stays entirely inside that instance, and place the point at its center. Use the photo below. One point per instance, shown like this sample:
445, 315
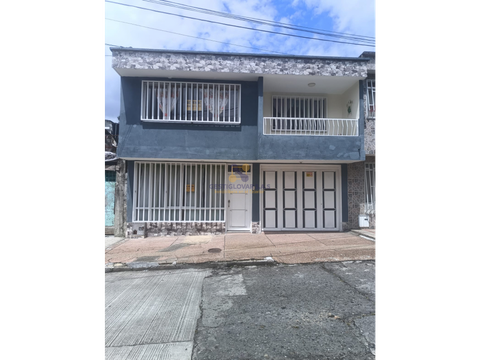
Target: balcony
310, 126
310, 119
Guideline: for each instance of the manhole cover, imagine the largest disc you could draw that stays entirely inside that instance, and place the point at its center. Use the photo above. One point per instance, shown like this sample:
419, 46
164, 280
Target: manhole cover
214, 250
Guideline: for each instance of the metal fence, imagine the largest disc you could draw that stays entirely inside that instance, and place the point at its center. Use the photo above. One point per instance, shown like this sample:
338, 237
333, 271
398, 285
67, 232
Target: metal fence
176, 192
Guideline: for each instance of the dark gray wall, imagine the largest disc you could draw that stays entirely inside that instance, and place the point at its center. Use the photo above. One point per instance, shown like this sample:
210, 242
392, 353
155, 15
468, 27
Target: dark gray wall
130, 174
344, 193
310, 147
256, 194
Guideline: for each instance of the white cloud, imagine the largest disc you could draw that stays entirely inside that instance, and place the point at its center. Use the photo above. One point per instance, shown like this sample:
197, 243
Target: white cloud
352, 16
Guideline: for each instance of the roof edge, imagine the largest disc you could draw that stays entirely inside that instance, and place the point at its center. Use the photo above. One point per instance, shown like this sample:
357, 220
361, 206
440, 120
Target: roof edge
338, 58
368, 54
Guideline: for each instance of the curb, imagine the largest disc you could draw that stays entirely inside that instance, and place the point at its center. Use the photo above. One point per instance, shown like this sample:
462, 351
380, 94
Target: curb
144, 266
140, 266
358, 233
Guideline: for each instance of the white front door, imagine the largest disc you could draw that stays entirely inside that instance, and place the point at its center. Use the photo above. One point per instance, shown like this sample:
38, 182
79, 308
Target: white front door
301, 198
239, 197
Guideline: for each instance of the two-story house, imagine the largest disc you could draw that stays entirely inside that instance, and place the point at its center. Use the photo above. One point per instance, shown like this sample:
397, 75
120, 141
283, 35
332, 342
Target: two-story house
218, 142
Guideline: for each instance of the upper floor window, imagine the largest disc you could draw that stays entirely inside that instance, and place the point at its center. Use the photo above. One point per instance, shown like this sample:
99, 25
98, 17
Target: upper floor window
299, 107
165, 101
371, 98
298, 112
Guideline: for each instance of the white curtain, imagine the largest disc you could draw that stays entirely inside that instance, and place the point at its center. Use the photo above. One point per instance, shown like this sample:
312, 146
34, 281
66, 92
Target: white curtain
215, 101
167, 99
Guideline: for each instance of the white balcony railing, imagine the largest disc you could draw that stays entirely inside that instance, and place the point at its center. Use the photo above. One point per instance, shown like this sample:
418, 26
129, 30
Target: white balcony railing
310, 127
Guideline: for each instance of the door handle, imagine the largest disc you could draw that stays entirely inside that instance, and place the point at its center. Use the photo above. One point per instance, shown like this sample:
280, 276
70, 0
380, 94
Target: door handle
228, 203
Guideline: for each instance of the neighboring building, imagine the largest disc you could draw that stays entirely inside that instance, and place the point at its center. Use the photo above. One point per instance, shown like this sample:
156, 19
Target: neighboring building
361, 175
370, 109
217, 142
114, 183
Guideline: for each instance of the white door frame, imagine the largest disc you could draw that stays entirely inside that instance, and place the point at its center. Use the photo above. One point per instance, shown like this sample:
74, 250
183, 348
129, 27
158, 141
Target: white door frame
248, 203
304, 167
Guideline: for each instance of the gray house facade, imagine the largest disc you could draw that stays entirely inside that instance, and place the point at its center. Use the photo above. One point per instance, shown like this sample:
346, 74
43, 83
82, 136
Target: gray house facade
217, 142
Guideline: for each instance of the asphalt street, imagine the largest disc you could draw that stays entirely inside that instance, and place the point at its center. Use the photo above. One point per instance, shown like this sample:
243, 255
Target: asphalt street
315, 311
318, 311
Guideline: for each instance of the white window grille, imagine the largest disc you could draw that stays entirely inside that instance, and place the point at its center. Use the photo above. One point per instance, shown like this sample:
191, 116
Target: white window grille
370, 187
176, 192
193, 102
370, 98
299, 107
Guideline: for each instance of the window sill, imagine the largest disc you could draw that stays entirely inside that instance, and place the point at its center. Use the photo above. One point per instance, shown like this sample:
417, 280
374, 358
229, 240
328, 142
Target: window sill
195, 122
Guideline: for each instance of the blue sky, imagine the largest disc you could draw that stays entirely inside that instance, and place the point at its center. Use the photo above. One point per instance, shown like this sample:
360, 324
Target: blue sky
349, 16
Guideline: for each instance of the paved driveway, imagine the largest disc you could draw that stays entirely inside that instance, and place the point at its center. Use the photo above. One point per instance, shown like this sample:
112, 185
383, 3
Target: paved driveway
152, 315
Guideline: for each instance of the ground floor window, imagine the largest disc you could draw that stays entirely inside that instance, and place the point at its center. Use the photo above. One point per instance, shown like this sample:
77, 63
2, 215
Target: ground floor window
370, 186
177, 192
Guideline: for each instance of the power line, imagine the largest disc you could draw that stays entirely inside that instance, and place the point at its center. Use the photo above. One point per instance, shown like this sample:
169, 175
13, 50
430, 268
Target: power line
195, 37
111, 45
264, 21
238, 26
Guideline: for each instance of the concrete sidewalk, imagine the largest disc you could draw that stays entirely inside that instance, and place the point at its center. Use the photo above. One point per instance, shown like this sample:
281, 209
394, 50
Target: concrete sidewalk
291, 248
111, 241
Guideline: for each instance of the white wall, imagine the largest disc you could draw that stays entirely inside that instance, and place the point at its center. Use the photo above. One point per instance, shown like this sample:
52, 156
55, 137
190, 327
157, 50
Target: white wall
334, 107
351, 94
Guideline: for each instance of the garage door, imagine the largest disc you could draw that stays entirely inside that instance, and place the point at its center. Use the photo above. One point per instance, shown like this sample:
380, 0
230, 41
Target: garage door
301, 199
